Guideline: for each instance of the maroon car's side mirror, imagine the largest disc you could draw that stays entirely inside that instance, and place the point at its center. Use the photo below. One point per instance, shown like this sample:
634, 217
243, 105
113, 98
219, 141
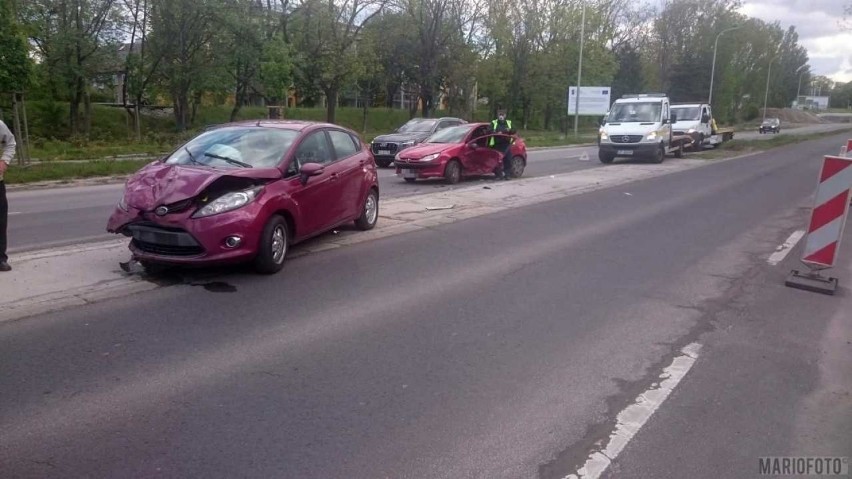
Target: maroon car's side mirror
310, 169
472, 145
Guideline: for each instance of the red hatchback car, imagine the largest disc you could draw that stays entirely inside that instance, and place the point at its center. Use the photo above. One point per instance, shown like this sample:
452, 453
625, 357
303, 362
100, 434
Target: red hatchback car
457, 152
245, 192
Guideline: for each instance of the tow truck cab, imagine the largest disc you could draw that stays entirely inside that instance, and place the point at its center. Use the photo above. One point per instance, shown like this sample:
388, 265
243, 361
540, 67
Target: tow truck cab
693, 119
638, 125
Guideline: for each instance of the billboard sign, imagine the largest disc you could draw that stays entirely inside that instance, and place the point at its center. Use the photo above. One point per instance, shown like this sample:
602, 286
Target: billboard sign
594, 100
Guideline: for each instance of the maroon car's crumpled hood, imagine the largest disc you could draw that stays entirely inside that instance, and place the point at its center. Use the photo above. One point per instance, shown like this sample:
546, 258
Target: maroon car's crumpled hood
425, 149
161, 184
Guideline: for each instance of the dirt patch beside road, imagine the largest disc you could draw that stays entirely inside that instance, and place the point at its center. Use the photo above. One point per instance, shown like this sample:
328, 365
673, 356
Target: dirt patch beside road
791, 116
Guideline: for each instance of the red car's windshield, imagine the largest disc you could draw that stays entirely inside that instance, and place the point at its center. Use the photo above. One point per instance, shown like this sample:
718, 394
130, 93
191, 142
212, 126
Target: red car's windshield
238, 147
455, 134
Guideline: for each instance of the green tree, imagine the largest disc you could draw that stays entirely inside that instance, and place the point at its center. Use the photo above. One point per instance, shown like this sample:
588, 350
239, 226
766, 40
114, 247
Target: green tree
16, 64
326, 36
181, 32
78, 40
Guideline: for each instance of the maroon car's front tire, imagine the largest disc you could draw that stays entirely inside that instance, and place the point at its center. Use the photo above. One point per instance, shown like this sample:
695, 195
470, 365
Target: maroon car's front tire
274, 243
410, 180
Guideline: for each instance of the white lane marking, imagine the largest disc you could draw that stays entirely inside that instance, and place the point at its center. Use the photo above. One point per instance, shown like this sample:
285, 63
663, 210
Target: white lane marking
784, 249
633, 417
12, 213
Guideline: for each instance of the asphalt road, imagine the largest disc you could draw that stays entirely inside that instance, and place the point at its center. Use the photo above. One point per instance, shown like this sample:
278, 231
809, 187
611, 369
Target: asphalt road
62, 216
501, 346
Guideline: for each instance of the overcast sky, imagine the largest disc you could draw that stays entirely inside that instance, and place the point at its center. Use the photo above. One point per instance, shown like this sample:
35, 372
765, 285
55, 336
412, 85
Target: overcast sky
818, 24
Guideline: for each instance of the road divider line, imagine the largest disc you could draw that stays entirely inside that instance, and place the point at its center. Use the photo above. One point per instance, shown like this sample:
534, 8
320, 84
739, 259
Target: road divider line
784, 249
633, 417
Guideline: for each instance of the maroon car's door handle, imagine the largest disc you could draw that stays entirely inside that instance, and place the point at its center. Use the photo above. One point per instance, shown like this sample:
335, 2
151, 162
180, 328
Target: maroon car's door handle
334, 177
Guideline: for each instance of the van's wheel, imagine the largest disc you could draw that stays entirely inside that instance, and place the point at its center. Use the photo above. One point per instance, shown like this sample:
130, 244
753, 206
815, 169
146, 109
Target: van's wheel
605, 158
452, 172
274, 243
518, 166
660, 156
369, 211
700, 145
383, 163
679, 152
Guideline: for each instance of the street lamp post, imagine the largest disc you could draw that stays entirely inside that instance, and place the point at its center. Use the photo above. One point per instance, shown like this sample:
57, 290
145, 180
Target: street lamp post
713, 69
579, 73
766, 94
799, 89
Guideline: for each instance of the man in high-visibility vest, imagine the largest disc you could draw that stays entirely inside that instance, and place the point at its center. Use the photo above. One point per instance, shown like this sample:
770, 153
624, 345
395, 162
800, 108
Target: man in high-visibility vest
502, 127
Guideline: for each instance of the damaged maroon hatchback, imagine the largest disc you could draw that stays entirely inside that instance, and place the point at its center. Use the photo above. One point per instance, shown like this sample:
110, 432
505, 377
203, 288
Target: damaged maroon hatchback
246, 192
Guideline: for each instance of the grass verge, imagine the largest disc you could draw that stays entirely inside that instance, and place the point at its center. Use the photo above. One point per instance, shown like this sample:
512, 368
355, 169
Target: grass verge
67, 171
742, 147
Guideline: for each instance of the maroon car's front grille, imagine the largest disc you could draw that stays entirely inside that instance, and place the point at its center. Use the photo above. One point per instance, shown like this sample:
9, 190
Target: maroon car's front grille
167, 250
155, 239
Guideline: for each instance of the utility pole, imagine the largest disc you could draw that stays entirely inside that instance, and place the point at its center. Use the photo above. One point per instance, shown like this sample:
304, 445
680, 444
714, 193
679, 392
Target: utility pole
766, 94
713, 69
579, 72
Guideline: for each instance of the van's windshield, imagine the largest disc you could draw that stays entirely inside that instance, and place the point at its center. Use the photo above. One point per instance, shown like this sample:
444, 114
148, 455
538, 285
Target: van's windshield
644, 112
689, 113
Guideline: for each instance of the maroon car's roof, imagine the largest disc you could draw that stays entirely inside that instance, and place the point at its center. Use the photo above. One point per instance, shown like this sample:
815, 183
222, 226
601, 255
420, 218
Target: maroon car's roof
297, 125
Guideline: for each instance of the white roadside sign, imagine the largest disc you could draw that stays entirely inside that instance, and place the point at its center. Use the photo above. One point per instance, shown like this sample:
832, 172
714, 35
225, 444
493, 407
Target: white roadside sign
594, 100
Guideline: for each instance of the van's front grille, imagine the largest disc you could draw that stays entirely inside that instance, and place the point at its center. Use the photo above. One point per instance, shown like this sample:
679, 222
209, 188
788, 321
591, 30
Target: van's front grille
626, 138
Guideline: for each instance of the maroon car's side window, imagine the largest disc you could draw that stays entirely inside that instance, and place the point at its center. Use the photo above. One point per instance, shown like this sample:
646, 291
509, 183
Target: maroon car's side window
344, 147
315, 149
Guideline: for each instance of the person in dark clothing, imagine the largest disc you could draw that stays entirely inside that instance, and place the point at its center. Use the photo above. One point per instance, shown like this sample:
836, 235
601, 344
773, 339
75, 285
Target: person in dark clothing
7, 152
502, 127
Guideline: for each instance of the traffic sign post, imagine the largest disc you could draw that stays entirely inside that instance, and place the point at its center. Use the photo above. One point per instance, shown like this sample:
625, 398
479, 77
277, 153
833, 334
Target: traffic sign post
825, 231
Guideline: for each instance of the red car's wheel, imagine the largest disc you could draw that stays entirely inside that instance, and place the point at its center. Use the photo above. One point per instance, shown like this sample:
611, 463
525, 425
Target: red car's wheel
452, 172
518, 165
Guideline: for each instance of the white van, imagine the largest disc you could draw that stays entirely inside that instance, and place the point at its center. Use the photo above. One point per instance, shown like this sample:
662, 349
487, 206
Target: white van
693, 119
639, 125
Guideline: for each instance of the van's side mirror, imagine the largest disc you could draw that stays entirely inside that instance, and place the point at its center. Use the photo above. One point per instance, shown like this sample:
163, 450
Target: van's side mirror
705, 118
674, 118
310, 169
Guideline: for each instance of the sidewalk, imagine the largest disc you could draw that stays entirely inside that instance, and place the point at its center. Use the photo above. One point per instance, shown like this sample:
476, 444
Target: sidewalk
49, 280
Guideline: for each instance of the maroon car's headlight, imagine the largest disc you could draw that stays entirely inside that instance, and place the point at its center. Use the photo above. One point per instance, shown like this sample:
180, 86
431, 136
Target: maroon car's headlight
122, 203
428, 158
228, 202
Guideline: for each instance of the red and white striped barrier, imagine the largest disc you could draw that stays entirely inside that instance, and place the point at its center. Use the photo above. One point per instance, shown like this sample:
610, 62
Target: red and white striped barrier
846, 149
828, 217
825, 231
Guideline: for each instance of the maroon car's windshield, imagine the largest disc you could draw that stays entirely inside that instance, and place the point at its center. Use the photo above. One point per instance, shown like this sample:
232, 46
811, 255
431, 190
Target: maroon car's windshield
455, 134
236, 147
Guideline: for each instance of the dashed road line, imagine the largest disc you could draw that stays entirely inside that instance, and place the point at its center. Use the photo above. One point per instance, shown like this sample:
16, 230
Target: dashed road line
784, 249
633, 417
